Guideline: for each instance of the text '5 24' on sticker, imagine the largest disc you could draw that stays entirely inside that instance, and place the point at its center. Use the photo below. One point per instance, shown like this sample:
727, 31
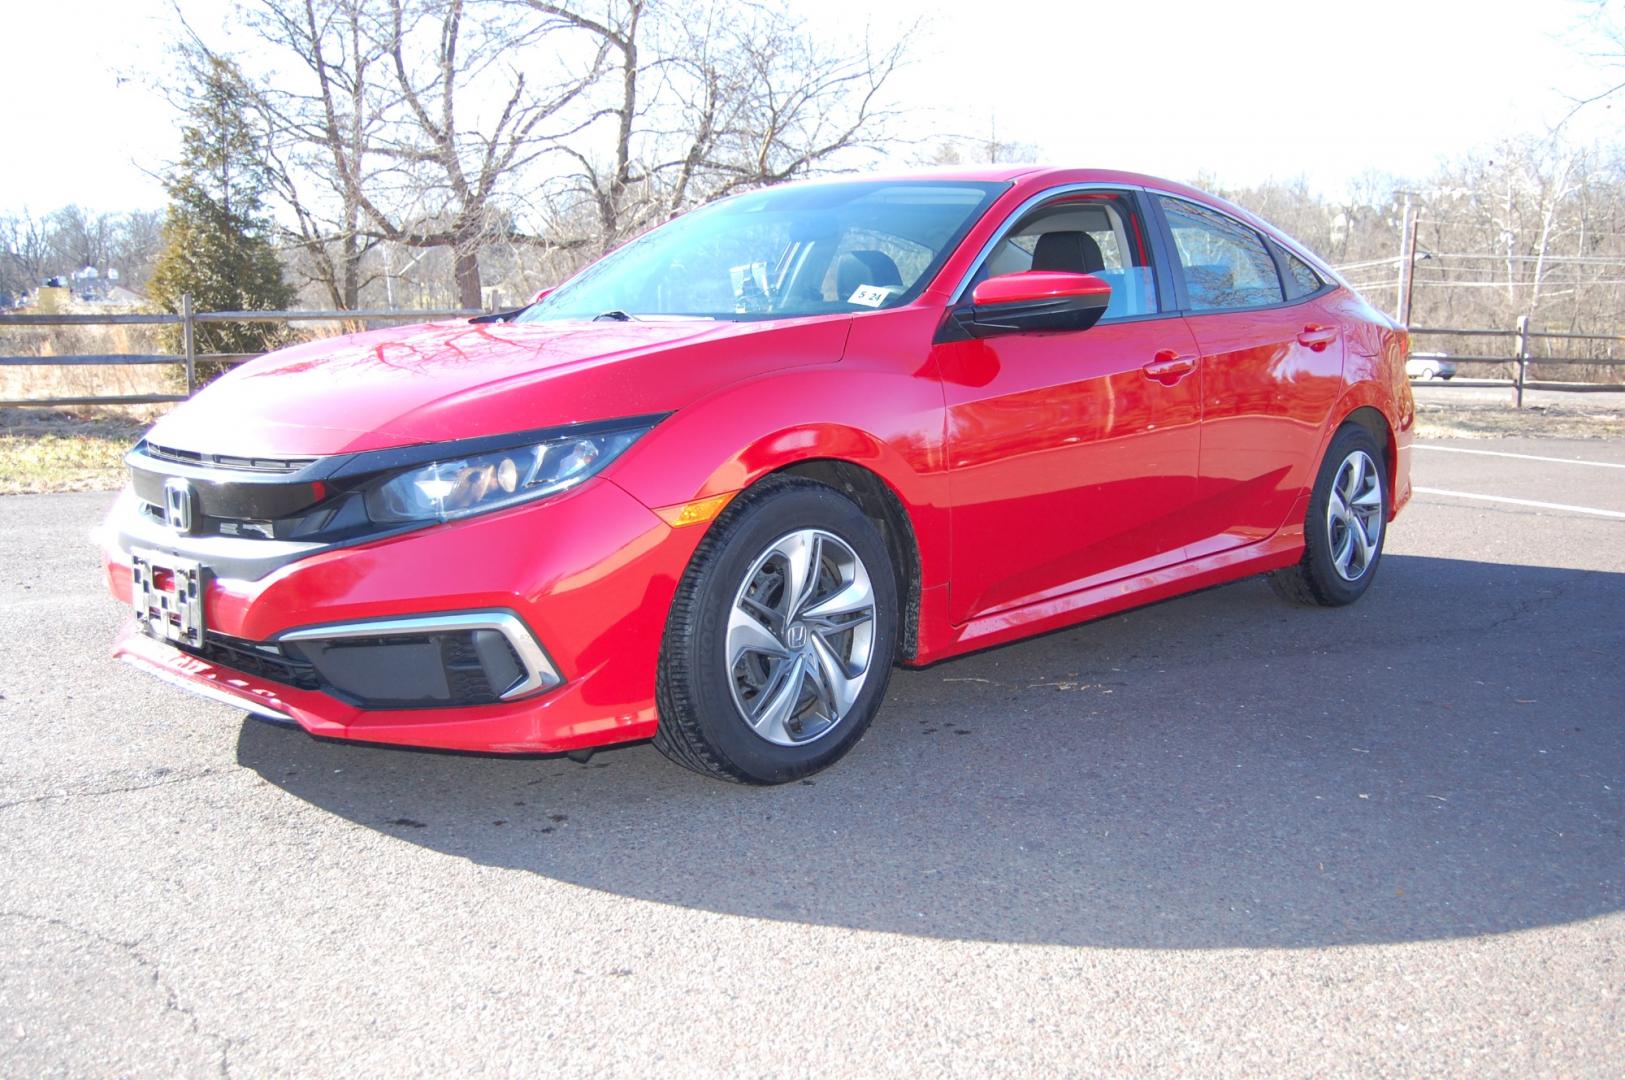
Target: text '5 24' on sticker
870, 295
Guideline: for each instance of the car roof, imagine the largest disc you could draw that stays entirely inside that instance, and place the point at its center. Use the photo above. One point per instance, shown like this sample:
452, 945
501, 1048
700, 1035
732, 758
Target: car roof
1000, 173
1037, 177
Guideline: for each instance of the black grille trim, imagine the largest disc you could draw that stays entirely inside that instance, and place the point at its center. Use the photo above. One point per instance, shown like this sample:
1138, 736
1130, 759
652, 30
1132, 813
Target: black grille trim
228, 461
267, 662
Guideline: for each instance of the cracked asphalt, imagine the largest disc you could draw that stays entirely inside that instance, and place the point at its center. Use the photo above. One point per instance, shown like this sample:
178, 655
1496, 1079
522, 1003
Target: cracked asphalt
1218, 836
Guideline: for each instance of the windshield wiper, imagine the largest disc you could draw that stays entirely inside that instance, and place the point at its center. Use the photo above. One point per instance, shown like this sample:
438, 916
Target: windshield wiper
613, 315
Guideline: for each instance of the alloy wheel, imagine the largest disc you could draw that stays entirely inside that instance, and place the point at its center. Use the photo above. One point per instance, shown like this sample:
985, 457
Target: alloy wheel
1354, 515
800, 637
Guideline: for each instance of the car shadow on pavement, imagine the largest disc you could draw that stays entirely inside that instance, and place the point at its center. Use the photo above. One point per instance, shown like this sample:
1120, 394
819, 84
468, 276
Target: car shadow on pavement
1443, 759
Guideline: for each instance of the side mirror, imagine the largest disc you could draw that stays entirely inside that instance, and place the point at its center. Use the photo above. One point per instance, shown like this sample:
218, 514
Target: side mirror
541, 293
1035, 300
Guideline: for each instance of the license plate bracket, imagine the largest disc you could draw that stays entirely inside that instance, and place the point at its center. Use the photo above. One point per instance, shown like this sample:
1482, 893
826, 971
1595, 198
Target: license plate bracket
167, 593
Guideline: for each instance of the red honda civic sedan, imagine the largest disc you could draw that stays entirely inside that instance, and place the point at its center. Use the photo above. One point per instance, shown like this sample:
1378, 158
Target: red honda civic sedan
711, 489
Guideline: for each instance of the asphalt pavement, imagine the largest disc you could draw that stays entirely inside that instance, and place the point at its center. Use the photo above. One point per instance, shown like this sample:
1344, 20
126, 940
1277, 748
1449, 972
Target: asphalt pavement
1217, 836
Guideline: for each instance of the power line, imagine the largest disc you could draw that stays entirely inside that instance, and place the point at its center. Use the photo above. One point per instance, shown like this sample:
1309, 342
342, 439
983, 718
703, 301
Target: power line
1435, 256
1487, 284
1369, 262
1599, 260
1497, 227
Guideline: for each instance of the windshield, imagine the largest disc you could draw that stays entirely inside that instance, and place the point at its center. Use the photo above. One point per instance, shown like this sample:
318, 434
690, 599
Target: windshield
806, 249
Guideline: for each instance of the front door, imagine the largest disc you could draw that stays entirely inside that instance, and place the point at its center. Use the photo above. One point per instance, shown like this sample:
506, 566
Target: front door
1071, 455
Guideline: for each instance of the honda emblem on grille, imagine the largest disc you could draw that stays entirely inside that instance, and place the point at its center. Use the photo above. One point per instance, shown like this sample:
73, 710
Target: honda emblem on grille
179, 503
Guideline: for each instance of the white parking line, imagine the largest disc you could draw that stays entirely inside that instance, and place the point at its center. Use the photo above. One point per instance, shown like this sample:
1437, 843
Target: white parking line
1521, 457
1564, 507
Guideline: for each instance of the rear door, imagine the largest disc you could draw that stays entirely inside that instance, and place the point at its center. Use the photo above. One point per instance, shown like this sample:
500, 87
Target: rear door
1072, 455
1272, 366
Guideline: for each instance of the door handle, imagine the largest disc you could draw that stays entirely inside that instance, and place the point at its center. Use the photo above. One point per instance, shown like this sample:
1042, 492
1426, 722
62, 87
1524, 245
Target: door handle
1168, 367
1317, 337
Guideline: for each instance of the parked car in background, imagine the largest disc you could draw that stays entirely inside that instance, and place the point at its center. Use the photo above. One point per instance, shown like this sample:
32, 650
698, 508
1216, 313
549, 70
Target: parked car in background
710, 490
1427, 366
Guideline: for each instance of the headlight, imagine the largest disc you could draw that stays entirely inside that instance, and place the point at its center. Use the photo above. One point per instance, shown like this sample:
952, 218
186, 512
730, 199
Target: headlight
457, 487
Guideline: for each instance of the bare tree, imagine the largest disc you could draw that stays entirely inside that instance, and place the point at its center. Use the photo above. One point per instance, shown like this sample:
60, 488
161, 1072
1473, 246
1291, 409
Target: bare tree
135, 246
318, 107
989, 148
448, 177
25, 252
1531, 226
533, 131
1601, 24
81, 240
699, 101
68, 239
381, 128
321, 132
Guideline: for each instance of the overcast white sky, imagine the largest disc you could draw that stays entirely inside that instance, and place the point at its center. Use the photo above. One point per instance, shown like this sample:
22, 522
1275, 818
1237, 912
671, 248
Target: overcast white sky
1242, 91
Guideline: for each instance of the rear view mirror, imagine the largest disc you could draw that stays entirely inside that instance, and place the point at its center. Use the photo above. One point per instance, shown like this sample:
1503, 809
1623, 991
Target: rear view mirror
1035, 300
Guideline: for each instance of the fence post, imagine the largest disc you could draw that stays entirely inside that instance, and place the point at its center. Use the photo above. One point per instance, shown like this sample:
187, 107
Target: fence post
1523, 357
188, 344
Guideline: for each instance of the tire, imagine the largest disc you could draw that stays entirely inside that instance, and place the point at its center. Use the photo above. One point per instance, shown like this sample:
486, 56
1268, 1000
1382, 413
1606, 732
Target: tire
808, 669
1426, 374
1349, 503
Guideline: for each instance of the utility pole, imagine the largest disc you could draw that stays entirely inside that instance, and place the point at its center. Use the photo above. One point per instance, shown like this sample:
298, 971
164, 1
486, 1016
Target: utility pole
1407, 263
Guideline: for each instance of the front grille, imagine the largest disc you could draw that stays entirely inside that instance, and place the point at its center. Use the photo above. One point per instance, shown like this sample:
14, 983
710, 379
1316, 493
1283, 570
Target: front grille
234, 496
263, 661
227, 461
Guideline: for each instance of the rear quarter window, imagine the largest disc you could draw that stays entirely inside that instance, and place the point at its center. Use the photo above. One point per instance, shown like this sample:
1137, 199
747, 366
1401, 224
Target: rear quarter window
1300, 279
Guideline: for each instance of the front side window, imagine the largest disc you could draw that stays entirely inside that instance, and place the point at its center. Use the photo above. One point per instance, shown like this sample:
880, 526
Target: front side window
804, 249
1225, 263
1090, 233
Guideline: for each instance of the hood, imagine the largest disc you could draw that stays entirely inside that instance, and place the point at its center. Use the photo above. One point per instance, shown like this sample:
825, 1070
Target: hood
442, 381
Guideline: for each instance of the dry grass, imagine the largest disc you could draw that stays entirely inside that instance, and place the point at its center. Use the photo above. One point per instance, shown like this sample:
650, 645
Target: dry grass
66, 449
29, 381
1465, 421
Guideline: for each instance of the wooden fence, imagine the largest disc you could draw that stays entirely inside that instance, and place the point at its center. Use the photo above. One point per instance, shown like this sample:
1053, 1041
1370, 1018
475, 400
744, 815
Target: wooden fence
1523, 351
188, 320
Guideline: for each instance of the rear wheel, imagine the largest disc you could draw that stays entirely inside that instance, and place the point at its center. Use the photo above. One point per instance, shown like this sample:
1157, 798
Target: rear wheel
1344, 529
781, 638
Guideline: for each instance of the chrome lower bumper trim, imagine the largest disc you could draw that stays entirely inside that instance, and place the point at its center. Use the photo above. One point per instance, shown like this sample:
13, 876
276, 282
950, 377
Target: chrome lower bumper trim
203, 690
540, 674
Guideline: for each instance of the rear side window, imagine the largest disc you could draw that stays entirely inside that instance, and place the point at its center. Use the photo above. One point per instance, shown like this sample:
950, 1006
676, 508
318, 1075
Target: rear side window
1225, 264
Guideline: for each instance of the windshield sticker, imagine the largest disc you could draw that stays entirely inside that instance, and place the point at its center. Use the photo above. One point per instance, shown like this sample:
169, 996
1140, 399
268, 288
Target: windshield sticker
870, 295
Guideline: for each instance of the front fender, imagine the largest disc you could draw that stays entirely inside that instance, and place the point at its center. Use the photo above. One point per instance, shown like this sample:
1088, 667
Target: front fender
886, 421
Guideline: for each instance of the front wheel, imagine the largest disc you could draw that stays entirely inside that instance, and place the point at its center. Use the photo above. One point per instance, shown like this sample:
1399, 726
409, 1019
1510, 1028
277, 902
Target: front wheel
781, 638
1344, 529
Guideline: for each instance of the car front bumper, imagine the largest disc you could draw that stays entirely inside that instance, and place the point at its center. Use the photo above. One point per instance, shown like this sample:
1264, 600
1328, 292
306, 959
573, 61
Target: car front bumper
588, 575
